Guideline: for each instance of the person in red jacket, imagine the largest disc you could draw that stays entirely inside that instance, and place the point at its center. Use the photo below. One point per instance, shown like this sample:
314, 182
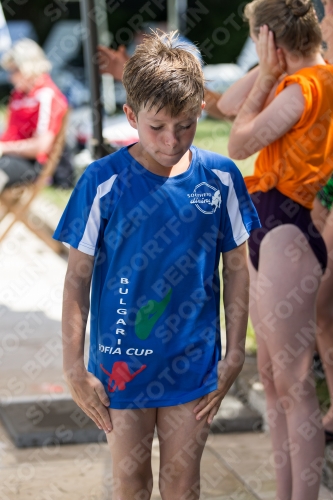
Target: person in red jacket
35, 112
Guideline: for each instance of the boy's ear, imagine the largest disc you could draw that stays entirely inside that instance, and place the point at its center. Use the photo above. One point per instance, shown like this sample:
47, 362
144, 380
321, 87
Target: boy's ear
203, 105
131, 117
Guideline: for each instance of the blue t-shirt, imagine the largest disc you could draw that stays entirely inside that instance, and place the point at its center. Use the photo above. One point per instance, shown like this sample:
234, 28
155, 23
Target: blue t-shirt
155, 298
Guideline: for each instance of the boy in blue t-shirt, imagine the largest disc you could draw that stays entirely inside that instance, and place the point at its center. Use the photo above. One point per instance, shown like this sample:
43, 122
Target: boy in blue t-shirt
148, 224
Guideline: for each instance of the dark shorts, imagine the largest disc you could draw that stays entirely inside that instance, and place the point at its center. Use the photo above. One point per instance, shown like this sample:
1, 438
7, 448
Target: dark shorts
19, 170
275, 209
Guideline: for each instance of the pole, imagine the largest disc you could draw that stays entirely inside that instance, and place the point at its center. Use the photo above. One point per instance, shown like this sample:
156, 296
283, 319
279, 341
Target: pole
182, 11
105, 38
176, 11
172, 12
90, 50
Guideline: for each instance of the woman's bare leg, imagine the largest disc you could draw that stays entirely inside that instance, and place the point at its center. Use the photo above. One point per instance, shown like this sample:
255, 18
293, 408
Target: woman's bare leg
325, 319
182, 440
276, 419
289, 308
130, 443
319, 215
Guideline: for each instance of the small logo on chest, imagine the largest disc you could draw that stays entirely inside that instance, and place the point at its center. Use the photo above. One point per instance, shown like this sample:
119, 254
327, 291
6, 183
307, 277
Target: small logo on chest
206, 198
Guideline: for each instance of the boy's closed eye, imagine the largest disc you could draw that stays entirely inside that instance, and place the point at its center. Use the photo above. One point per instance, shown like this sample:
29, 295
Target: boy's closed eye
180, 127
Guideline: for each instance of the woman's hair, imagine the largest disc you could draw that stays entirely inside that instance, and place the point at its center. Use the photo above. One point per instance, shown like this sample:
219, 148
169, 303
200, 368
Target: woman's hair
164, 73
294, 23
26, 56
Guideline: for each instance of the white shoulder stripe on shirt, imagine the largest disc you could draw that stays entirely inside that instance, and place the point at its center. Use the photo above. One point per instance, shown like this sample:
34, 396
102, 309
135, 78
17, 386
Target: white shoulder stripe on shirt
44, 97
236, 220
90, 235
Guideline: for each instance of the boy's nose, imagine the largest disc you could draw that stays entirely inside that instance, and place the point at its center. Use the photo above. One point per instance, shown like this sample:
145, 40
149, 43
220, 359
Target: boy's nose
170, 139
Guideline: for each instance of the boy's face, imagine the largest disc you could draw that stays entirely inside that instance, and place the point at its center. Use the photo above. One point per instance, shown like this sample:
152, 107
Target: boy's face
166, 139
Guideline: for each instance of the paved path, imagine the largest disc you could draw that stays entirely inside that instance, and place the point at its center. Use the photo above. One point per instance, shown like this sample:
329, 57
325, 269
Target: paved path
31, 286
234, 466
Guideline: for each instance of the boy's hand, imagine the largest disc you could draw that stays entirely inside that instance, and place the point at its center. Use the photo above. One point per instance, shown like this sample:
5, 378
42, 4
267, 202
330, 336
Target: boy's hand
89, 394
210, 403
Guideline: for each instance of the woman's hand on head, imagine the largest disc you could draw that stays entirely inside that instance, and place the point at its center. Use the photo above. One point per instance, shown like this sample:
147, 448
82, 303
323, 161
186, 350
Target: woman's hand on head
271, 59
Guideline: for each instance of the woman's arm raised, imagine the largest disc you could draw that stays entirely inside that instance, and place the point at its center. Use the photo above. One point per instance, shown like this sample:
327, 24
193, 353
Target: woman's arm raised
256, 126
232, 99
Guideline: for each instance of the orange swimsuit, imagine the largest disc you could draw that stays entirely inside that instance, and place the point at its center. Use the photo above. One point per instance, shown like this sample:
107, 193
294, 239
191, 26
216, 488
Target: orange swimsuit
290, 171
300, 163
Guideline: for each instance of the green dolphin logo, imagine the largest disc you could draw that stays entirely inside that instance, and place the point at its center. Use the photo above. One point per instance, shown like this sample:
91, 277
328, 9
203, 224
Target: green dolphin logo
148, 315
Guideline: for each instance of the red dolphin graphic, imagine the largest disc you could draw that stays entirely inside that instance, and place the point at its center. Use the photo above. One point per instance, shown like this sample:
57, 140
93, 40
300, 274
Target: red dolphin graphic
120, 375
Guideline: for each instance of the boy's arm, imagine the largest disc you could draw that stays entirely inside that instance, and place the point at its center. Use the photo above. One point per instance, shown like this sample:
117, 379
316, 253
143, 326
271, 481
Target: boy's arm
87, 391
236, 298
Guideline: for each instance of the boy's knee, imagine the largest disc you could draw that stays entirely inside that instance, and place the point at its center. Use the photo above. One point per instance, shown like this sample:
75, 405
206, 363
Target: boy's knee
178, 474
132, 466
187, 485
143, 494
136, 486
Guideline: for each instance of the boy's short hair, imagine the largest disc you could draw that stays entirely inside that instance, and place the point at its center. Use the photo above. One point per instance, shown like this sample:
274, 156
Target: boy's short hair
164, 73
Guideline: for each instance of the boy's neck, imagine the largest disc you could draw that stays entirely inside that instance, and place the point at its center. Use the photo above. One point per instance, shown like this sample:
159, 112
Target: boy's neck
150, 164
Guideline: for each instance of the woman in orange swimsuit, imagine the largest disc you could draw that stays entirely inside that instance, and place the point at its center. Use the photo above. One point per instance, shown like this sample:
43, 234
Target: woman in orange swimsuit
285, 113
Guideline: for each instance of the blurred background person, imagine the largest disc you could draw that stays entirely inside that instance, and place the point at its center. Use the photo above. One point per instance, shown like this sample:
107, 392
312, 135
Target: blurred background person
35, 112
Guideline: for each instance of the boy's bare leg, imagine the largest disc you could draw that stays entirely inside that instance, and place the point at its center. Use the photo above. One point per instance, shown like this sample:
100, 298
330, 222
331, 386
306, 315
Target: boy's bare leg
130, 443
182, 440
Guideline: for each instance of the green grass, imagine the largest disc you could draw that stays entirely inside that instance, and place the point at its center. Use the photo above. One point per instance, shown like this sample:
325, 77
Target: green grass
57, 196
213, 135
323, 395
251, 344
